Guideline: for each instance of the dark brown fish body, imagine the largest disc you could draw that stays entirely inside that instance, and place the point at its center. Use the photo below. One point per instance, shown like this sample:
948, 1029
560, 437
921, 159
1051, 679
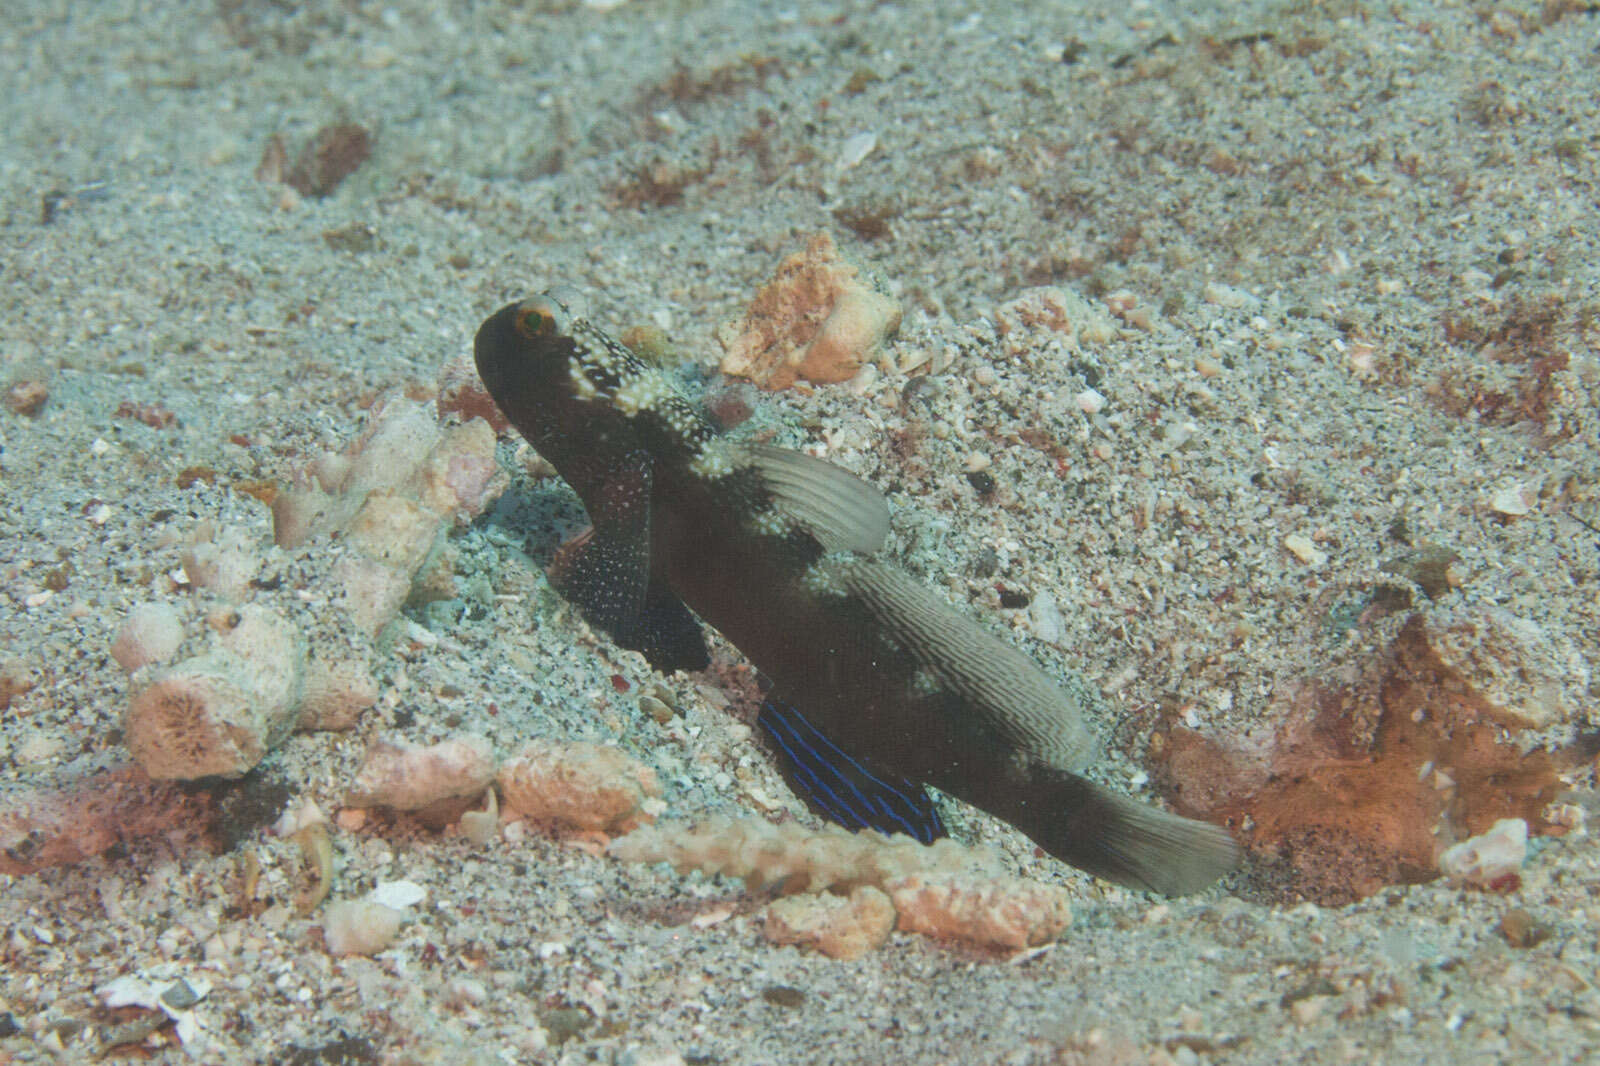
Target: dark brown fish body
879, 687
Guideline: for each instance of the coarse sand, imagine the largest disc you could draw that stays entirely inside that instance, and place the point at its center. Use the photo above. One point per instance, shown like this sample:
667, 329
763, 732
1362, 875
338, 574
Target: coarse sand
1345, 261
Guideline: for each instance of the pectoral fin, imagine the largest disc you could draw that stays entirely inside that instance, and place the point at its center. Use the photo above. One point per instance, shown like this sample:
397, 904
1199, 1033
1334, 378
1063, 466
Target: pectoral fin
606, 572
842, 788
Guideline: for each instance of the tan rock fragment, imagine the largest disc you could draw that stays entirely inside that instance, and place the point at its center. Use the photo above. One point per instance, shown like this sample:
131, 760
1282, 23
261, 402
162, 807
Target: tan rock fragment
838, 926
359, 927
336, 693
817, 319
575, 785
1488, 858
411, 777
1006, 914
394, 529
459, 477
1050, 310
150, 634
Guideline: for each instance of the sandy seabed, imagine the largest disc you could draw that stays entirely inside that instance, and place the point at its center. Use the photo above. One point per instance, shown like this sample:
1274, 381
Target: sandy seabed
1348, 257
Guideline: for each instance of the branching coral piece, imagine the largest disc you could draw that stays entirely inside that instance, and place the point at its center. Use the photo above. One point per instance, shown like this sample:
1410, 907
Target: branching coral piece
791, 856
941, 890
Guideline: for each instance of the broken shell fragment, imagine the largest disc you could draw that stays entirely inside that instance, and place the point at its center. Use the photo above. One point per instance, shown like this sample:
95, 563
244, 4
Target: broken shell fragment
1488, 857
359, 927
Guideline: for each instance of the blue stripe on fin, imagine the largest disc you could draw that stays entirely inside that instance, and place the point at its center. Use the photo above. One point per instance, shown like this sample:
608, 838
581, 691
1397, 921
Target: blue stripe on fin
842, 788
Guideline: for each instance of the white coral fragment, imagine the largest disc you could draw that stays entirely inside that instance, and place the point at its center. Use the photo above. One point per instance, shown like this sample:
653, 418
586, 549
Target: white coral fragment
391, 493
576, 785
359, 927
219, 713
1488, 857
150, 634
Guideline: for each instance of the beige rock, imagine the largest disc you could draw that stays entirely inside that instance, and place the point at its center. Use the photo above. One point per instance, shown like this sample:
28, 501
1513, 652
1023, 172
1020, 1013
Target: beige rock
222, 562
1516, 673
300, 512
359, 927
374, 592
394, 529
336, 693
460, 476
837, 926
816, 319
410, 777
575, 785
1050, 310
401, 434
1488, 857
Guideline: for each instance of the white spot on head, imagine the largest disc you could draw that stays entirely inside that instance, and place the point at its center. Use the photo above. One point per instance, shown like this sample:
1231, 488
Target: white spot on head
582, 387
772, 523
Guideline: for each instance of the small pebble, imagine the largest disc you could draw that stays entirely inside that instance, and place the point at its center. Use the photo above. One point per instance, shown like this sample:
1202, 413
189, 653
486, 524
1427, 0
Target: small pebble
359, 927
1521, 930
1513, 502
1304, 550
27, 397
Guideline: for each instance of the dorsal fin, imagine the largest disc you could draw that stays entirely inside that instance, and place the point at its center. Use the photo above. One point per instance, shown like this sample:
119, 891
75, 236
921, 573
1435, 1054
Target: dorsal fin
1014, 695
842, 511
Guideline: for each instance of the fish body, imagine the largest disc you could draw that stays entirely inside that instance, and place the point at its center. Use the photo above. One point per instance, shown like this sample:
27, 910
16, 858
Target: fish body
879, 687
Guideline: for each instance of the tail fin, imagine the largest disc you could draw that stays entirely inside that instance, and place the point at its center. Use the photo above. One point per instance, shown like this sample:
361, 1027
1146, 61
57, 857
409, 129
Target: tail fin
1118, 838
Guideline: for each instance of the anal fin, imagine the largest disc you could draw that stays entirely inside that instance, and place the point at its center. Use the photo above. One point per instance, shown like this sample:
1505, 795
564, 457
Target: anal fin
842, 788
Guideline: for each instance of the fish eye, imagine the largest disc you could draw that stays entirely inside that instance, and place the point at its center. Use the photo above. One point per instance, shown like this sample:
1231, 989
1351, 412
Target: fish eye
539, 317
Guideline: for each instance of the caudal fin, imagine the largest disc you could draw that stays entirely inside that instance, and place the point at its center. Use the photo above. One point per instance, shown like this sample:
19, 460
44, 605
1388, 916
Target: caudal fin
1121, 839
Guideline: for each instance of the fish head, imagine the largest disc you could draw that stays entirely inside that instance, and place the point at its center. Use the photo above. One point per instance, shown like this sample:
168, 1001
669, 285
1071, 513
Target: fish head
524, 348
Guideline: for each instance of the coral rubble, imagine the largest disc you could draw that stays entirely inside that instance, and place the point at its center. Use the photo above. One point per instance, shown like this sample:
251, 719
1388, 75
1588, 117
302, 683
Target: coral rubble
273, 664
843, 890
817, 319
